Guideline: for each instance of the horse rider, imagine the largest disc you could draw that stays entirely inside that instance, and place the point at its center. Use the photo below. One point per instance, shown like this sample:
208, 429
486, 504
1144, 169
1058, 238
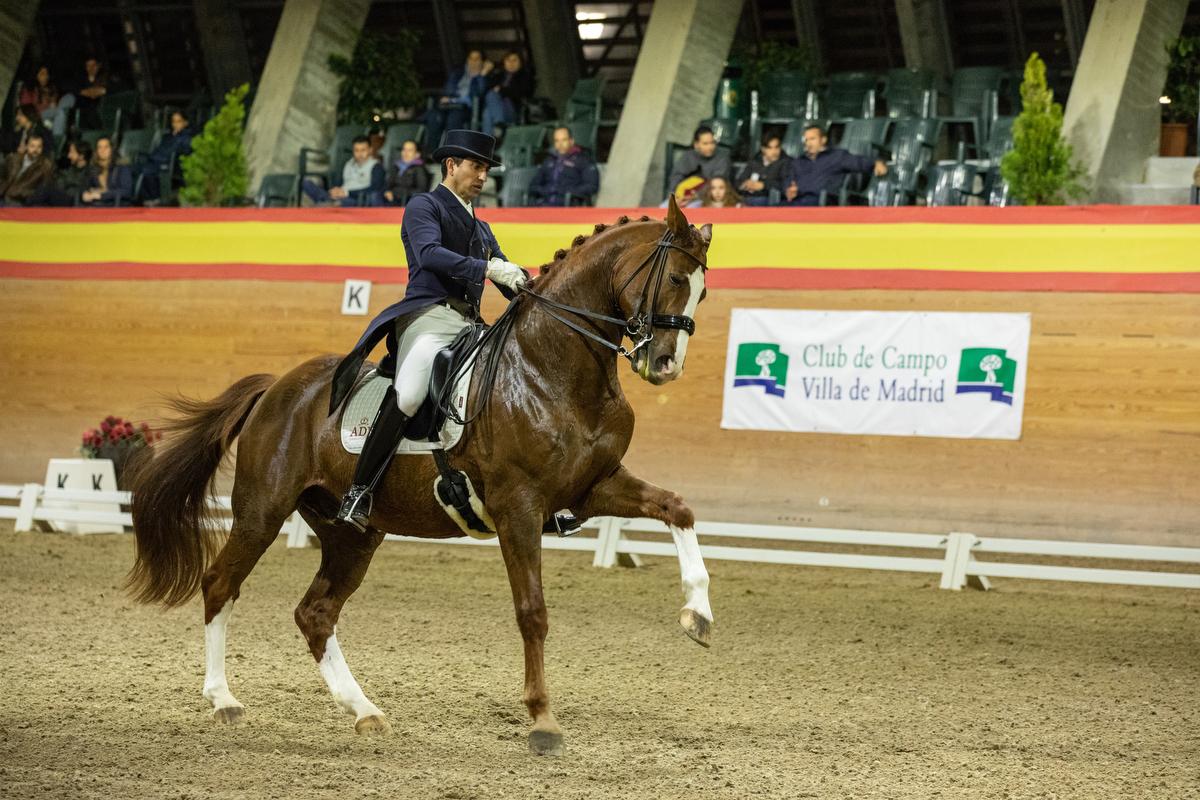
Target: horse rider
449, 253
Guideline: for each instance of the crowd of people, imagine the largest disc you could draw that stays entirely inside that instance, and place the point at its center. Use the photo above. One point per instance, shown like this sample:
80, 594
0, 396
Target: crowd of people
48, 160
703, 176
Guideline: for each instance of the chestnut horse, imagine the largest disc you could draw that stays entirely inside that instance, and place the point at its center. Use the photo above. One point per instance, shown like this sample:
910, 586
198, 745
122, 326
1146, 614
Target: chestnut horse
552, 433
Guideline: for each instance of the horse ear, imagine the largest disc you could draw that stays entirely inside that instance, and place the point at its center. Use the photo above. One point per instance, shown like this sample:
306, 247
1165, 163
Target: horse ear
676, 221
706, 234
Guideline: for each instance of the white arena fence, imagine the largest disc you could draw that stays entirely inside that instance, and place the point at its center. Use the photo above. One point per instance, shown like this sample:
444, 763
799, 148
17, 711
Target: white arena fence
952, 556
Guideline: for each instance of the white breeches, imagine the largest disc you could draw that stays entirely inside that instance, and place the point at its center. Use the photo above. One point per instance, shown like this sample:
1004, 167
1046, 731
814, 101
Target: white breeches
412, 378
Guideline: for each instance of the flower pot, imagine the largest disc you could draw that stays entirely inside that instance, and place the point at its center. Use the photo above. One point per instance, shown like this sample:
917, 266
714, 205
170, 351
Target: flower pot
1173, 140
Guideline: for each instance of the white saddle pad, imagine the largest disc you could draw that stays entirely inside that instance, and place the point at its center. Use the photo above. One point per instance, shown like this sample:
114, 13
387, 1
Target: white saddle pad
364, 403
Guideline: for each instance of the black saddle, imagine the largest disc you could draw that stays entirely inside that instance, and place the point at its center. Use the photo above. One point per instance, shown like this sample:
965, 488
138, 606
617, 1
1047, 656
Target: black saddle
428, 420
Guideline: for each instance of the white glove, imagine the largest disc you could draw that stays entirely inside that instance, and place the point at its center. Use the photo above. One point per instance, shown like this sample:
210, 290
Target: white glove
505, 273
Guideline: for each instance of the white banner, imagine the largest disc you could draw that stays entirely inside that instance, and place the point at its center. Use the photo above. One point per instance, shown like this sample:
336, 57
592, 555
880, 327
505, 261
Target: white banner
901, 373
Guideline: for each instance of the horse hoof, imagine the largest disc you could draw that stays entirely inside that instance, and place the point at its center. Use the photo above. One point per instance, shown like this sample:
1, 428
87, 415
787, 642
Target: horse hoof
230, 715
545, 743
373, 725
697, 627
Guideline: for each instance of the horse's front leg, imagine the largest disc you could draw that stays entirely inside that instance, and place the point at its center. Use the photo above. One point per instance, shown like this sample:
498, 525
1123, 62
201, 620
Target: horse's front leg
623, 495
521, 544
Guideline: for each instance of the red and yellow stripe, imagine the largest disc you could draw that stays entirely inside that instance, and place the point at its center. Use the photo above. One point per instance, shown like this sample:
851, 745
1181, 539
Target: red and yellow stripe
1085, 248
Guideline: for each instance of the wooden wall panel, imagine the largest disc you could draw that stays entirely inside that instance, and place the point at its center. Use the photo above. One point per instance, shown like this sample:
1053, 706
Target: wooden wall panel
1110, 448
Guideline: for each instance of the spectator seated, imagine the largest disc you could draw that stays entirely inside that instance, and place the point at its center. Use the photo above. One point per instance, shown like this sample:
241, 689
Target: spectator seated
407, 176
361, 183
70, 183
26, 172
764, 174
453, 109
507, 91
568, 176
704, 160
717, 193
819, 172
110, 183
160, 162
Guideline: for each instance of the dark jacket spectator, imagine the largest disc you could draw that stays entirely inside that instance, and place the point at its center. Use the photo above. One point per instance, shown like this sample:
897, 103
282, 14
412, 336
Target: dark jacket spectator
823, 168
569, 170
507, 91
93, 85
109, 183
765, 172
704, 159
407, 176
25, 173
42, 93
452, 110
172, 145
71, 182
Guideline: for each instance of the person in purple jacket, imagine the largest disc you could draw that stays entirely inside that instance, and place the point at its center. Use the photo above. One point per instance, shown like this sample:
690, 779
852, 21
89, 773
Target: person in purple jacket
449, 254
822, 168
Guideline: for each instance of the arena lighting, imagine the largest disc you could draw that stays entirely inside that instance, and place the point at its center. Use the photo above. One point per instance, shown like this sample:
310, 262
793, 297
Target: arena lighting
1166, 101
593, 30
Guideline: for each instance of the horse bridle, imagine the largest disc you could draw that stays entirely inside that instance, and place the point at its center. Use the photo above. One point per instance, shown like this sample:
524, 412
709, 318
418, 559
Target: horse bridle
640, 325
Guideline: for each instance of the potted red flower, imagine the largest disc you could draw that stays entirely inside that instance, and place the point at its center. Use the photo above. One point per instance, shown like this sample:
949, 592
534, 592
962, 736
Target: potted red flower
117, 440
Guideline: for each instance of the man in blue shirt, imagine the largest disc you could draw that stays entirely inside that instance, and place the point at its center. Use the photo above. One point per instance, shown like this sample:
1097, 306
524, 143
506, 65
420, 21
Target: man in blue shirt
449, 254
569, 170
822, 168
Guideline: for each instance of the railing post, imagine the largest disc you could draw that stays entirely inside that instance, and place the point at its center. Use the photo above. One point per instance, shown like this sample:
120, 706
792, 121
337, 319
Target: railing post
30, 495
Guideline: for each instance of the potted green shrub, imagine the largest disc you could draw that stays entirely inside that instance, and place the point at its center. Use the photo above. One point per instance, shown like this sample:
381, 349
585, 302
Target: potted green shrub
1181, 95
215, 172
1040, 169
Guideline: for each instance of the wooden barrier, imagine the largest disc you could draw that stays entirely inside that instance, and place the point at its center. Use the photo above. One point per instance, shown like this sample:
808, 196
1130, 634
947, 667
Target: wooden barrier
1110, 449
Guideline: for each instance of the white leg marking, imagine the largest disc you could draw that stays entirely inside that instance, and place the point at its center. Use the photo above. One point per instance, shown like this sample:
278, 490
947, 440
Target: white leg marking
692, 572
216, 689
345, 690
696, 279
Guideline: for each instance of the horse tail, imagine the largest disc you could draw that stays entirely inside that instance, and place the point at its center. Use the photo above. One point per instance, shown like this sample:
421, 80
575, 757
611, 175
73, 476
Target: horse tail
171, 485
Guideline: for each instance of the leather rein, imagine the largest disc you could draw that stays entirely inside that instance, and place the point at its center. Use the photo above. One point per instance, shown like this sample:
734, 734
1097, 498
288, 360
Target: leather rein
640, 326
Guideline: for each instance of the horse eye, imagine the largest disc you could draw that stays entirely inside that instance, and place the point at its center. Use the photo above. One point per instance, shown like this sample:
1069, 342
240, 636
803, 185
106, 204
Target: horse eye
677, 280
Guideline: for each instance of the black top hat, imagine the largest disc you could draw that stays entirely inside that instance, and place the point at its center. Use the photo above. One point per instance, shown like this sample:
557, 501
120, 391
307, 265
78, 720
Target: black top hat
467, 144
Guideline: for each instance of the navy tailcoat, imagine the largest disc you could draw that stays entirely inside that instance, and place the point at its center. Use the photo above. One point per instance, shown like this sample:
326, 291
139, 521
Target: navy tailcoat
447, 251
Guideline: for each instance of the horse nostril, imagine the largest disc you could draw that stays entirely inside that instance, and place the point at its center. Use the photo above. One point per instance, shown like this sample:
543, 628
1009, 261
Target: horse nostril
664, 364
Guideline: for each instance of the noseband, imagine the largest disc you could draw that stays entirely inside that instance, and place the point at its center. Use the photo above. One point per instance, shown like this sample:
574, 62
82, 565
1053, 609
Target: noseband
640, 325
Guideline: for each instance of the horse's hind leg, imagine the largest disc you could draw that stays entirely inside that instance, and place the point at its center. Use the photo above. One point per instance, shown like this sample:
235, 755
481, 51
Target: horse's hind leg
250, 537
623, 495
345, 555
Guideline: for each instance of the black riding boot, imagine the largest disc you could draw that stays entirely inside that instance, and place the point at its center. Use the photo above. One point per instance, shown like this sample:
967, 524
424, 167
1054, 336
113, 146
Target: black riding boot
377, 452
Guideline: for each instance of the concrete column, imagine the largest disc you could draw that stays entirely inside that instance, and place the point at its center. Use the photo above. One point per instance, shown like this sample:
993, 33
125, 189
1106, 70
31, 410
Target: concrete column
554, 42
808, 31
223, 42
296, 104
925, 35
1112, 117
16, 23
682, 56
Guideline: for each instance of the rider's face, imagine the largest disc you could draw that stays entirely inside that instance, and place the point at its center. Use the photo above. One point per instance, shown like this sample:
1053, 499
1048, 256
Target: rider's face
466, 179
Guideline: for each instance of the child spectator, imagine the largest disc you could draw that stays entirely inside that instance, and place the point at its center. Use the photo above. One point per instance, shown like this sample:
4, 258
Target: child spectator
70, 183
569, 170
764, 172
173, 145
407, 176
717, 194
110, 183
507, 91
361, 183
25, 172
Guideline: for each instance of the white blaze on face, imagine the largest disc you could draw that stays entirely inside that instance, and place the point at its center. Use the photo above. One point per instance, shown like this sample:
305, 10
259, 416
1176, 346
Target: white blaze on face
216, 688
696, 288
345, 690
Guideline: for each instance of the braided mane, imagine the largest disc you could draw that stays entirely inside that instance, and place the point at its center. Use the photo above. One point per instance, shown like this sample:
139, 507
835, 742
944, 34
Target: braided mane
562, 253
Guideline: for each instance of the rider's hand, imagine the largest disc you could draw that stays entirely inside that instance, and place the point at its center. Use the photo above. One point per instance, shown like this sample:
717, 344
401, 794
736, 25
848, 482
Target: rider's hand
506, 273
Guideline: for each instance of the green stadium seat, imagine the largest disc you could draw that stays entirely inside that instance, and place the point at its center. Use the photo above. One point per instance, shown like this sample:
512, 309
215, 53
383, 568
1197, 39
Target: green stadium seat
397, 134
849, 95
910, 93
277, 189
521, 146
514, 192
